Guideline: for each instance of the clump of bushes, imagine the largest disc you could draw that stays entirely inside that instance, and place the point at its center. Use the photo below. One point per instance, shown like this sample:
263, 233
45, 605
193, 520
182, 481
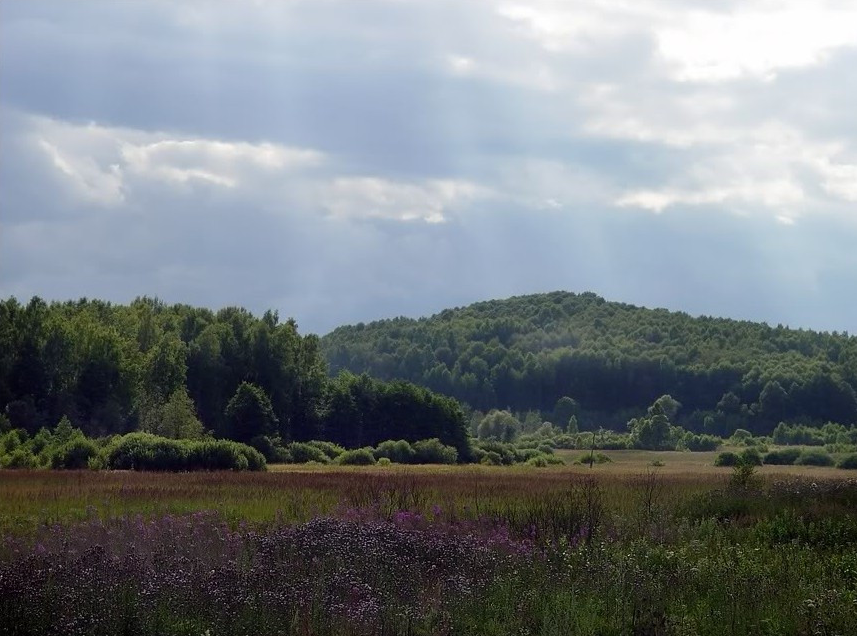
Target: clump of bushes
303, 452
782, 457
395, 451
814, 457
432, 451
144, 451
597, 458
849, 462
727, 458
356, 457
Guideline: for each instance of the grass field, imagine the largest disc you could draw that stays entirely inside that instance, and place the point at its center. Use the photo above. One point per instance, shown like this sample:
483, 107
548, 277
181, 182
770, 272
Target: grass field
620, 548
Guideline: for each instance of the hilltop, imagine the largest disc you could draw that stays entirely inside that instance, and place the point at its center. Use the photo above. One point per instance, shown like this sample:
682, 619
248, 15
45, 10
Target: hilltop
613, 359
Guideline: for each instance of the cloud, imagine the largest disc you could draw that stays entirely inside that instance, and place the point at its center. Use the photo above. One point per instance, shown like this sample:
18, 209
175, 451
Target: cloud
341, 161
380, 198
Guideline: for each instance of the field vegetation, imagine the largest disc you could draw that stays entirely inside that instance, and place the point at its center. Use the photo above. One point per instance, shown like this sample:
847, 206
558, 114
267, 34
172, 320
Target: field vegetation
620, 548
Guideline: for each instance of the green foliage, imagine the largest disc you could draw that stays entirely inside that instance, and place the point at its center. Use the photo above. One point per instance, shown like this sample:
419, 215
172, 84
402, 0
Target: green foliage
144, 451
814, 457
328, 448
302, 452
74, 454
849, 462
356, 457
249, 413
19, 458
751, 457
700, 443
501, 426
433, 451
797, 435
655, 432
782, 457
176, 418
398, 452
743, 475
727, 458
593, 458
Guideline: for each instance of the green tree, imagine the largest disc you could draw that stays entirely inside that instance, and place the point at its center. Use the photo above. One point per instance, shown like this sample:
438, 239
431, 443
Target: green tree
176, 418
249, 413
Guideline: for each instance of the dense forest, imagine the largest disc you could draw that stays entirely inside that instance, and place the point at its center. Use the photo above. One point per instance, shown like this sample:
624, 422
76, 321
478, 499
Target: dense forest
563, 354
184, 372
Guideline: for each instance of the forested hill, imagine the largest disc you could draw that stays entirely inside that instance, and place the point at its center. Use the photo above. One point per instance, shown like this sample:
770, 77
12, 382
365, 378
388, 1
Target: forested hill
613, 359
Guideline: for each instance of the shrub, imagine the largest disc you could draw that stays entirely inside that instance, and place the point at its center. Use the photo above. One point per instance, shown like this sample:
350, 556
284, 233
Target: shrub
538, 462
328, 448
356, 457
782, 457
490, 458
74, 454
143, 451
743, 475
751, 457
814, 457
727, 458
701, 443
597, 458
217, 455
849, 462
302, 453
398, 451
255, 460
268, 447
384, 461
19, 458
432, 451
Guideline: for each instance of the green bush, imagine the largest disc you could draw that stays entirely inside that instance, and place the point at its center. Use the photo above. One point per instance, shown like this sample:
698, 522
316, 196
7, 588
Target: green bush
143, 451
782, 457
384, 461
356, 457
432, 451
398, 451
490, 458
849, 462
538, 462
814, 457
74, 454
727, 458
701, 443
216, 455
19, 458
328, 448
268, 447
597, 458
302, 453
751, 457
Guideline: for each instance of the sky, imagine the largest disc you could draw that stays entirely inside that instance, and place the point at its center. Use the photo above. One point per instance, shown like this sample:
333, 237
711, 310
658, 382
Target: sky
344, 161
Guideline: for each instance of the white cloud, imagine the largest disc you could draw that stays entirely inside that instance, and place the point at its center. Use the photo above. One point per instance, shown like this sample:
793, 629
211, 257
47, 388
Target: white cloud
373, 197
696, 41
757, 39
88, 180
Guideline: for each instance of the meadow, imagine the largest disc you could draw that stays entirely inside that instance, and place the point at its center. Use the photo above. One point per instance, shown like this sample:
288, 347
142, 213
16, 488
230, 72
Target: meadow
621, 548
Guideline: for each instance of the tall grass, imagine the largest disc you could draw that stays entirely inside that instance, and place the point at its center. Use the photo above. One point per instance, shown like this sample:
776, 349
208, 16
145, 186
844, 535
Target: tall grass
448, 551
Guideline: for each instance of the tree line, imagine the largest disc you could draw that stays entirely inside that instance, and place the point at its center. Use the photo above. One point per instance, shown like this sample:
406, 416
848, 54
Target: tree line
186, 372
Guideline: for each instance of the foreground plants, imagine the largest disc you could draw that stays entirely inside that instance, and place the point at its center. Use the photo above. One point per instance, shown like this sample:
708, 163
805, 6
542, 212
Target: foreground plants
579, 557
